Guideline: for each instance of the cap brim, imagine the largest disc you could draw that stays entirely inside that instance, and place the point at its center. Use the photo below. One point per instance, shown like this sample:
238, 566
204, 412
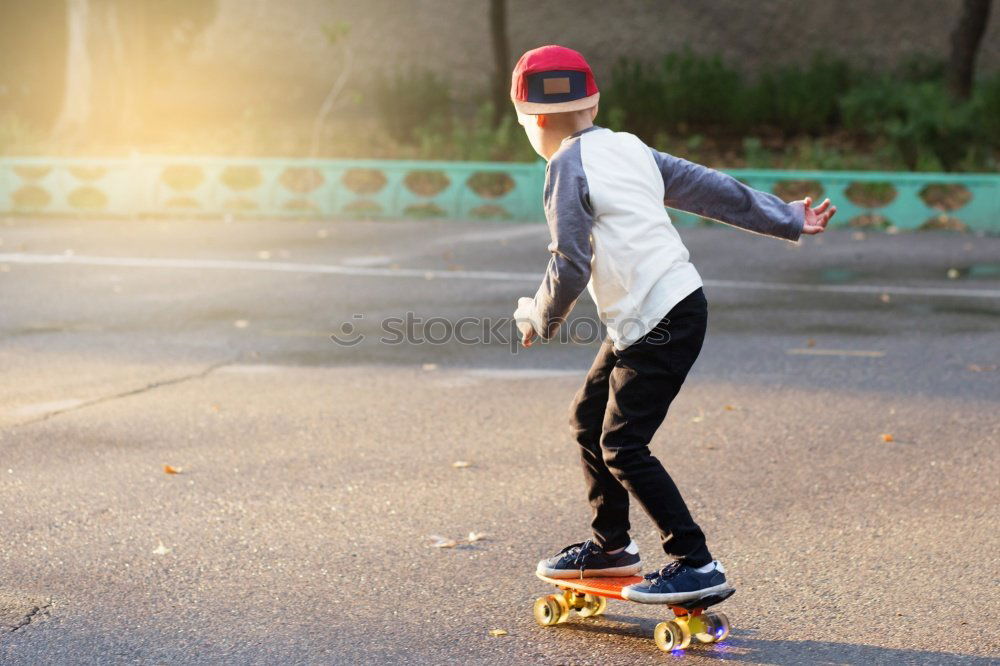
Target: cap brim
539, 108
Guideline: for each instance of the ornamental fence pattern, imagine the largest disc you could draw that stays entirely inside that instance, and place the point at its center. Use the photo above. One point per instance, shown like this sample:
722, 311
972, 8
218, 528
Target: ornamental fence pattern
159, 186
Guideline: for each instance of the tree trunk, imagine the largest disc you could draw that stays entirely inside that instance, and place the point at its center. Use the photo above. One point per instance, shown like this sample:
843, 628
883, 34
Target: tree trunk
112, 91
94, 98
76, 105
130, 33
965, 40
501, 58
117, 54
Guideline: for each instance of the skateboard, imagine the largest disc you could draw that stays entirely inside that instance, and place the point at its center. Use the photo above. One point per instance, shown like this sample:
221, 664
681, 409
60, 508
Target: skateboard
589, 598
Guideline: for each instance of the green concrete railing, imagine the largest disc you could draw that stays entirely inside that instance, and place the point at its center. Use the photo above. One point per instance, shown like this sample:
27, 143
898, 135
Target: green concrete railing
199, 186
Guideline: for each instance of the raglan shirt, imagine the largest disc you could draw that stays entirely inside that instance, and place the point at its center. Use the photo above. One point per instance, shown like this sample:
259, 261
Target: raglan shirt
604, 203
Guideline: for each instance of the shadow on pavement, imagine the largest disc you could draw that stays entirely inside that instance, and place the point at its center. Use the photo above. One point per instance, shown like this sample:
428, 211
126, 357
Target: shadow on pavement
741, 647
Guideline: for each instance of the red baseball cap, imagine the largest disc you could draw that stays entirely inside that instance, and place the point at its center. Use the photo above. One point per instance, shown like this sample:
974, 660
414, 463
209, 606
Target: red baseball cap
552, 79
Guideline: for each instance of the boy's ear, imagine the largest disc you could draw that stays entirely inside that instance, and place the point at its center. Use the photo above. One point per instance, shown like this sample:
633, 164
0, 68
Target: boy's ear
542, 120
593, 112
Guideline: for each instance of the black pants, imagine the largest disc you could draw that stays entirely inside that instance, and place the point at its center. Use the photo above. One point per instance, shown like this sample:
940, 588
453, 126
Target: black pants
614, 416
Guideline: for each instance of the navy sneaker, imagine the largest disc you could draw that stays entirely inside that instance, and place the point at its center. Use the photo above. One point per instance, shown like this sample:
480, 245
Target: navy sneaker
676, 583
587, 559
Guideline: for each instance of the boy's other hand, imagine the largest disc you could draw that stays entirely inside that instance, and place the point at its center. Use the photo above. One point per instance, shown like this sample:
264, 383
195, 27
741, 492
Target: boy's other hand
524, 327
817, 218
527, 333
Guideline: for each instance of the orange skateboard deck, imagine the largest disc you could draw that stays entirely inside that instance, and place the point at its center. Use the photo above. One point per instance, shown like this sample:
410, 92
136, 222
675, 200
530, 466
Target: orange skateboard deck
588, 597
609, 588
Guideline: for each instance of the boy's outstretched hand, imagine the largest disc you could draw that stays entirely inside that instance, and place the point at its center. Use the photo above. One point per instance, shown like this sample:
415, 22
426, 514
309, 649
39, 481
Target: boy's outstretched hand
816, 218
524, 327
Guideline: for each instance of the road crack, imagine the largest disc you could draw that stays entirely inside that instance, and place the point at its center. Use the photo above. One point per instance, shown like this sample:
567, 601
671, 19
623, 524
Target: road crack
126, 394
18, 612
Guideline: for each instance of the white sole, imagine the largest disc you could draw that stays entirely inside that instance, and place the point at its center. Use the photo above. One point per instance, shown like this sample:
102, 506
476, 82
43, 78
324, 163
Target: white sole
672, 598
565, 574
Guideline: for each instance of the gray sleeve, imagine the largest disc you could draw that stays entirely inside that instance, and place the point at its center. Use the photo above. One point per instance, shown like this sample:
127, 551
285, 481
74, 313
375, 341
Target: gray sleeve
696, 189
570, 218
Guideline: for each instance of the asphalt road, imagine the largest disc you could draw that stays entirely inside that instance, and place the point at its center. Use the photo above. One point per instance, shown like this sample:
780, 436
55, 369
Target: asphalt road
315, 476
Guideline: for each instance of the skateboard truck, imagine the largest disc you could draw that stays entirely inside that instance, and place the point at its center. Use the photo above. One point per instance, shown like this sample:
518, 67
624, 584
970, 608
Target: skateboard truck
589, 598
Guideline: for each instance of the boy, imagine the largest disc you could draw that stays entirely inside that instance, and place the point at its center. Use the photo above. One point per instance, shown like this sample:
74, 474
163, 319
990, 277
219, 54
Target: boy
604, 202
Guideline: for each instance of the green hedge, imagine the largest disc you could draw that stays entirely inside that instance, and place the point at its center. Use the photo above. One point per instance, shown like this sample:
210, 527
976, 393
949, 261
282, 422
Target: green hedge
908, 111
824, 114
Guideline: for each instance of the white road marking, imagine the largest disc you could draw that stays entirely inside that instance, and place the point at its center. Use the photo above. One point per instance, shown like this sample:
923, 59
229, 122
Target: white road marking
295, 333
837, 352
377, 260
494, 235
478, 376
252, 369
266, 266
525, 373
856, 289
503, 276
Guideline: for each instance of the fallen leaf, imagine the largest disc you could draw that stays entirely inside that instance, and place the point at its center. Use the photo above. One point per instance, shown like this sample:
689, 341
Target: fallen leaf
461, 464
886, 437
699, 418
475, 536
169, 469
241, 323
953, 273
429, 366
975, 367
263, 254
859, 235
441, 542
810, 343
161, 550
885, 298
498, 632
215, 408
730, 408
